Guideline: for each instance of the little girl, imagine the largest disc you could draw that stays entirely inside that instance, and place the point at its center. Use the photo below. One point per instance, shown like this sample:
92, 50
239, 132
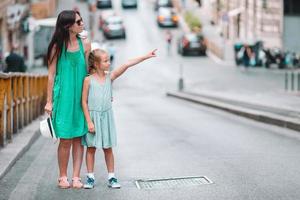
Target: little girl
97, 108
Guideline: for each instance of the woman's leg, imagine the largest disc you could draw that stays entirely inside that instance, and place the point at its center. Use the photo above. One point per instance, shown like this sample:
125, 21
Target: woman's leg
109, 159
63, 154
90, 159
77, 152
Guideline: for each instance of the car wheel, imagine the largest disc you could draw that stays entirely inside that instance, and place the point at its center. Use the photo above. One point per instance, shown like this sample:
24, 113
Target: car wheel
178, 50
202, 53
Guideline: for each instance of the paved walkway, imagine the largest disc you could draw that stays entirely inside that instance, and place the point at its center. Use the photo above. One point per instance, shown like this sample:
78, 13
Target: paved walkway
259, 88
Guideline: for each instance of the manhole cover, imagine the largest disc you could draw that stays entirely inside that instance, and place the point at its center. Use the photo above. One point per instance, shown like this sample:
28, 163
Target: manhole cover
172, 182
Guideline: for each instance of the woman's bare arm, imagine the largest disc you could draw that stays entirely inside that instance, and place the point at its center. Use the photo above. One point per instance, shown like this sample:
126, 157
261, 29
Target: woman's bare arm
87, 50
51, 77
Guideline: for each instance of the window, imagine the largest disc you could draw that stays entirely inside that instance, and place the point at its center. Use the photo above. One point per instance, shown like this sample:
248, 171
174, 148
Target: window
291, 7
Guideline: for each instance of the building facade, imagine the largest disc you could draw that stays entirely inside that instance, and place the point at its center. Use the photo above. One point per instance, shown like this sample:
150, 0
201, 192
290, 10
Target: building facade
250, 20
13, 33
14, 24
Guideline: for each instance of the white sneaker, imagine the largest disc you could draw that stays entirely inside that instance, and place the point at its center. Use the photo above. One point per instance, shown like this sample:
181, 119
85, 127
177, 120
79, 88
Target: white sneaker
113, 183
89, 184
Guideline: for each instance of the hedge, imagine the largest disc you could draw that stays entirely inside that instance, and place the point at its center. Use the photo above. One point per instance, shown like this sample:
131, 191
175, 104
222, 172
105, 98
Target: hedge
192, 21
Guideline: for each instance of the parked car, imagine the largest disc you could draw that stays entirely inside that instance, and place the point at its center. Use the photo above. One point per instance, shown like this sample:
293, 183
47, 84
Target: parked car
104, 15
192, 43
129, 3
166, 17
104, 4
113, 27
163, 3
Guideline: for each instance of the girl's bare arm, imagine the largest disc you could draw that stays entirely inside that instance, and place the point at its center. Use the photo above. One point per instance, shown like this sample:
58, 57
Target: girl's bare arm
120, 70
84, 100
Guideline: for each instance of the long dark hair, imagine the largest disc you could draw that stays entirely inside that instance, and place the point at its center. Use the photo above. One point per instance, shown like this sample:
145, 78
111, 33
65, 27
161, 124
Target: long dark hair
61, 34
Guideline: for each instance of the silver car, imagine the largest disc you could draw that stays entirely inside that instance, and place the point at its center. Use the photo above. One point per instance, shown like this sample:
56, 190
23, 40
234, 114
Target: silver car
166, 17
113, 27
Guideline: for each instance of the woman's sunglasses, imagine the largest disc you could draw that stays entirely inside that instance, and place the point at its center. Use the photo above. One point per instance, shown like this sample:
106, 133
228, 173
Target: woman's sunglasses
78, 22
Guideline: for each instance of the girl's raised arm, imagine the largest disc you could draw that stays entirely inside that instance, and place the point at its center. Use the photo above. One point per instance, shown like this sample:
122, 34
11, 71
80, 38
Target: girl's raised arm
120, 70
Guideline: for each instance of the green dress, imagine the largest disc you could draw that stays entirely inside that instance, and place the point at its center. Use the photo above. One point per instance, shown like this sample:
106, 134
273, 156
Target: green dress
100, 109
67, 114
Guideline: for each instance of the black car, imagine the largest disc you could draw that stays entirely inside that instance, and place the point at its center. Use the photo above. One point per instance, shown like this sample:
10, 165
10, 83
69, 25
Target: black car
192, 43
129, 3
104, 4
163, 3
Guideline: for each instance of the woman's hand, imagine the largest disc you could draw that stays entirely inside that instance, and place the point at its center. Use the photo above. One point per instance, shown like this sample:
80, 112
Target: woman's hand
48, 108
91, 127
151, 54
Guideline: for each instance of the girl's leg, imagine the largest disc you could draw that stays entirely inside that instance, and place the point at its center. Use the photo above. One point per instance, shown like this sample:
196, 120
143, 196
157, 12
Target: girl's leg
77, 152
63, 154
90, 163
90, 159
109, 159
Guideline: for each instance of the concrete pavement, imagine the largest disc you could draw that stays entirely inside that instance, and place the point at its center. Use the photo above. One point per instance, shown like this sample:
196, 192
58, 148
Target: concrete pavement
266, 114
21, 142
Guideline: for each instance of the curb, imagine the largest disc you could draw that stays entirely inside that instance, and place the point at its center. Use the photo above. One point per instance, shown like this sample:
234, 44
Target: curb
22, 141
261, 116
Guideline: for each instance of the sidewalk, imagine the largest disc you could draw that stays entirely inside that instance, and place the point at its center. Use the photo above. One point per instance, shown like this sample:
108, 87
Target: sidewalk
254, 93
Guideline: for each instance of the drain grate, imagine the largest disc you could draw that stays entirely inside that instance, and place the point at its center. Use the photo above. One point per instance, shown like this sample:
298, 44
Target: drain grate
172, 182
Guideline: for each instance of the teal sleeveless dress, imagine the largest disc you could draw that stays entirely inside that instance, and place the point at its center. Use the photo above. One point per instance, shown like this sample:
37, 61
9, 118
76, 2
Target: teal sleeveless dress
67, 114
100, 109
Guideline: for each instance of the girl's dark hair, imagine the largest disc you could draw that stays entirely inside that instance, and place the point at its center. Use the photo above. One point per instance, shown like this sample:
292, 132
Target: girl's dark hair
61, 34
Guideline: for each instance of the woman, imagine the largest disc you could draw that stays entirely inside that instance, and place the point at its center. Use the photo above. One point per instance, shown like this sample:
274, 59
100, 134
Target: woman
67, 69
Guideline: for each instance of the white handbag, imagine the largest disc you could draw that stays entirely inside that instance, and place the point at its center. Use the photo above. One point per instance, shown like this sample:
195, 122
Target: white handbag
46, 129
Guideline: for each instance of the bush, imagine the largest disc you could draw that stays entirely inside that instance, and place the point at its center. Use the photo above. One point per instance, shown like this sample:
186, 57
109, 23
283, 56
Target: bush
192, 21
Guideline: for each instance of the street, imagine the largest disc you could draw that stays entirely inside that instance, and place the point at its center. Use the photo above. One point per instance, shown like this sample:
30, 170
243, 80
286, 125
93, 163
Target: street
162, 137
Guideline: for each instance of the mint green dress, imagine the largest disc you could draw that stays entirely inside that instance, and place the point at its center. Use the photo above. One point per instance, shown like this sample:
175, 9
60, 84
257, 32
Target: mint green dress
100, 109
67, 114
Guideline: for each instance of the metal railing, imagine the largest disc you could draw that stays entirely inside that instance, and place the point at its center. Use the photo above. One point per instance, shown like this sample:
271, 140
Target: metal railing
22, 99
292, 81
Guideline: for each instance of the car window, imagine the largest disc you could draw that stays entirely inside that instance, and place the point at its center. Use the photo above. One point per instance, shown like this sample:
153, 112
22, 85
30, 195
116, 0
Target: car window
194, 37
164, 2
114, 20
163, 11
